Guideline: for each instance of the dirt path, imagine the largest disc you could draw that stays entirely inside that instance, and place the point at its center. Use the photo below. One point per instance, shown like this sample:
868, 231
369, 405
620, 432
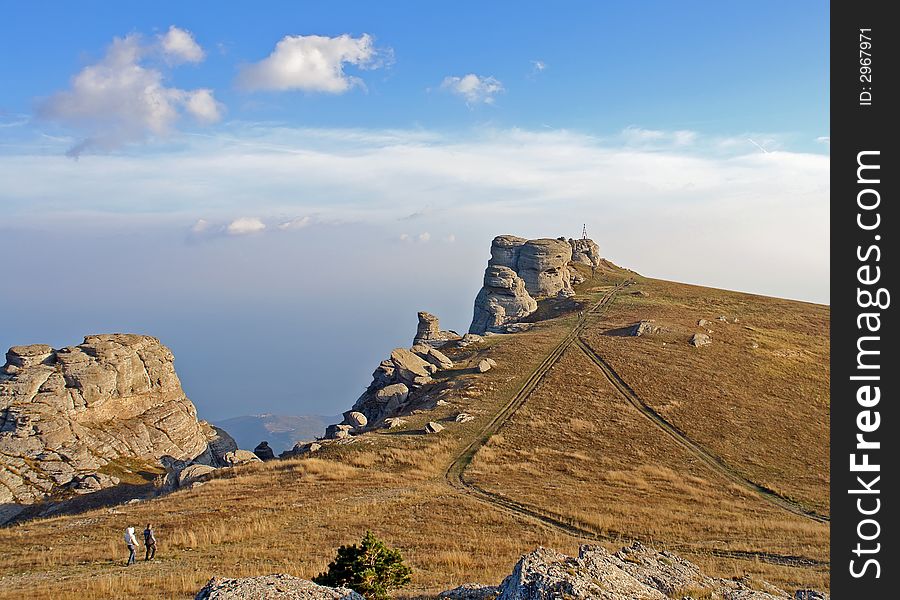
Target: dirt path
711, 460
454, 474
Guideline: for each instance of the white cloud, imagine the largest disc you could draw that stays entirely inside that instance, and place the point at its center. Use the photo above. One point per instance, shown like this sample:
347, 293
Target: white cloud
824, 139
475, 89
424, 237
245, 226
298, 223
715, 201
313, 63
178, 46
450, 238
122, 99
538, 66
638, 136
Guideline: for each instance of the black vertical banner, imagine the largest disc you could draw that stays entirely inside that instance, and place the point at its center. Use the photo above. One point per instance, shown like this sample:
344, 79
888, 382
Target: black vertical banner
865, 562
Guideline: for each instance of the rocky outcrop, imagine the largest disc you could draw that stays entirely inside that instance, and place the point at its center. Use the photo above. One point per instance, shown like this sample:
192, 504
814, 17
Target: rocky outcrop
429, 331
700, 339
644, 328
585, 252
263, 451
271, 587
69, 417
520, 272
632, 572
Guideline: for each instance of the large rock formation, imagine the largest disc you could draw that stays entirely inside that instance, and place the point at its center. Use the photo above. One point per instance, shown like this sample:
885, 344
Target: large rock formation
271, 587
520, 272
585, 251
71, 419
632, 572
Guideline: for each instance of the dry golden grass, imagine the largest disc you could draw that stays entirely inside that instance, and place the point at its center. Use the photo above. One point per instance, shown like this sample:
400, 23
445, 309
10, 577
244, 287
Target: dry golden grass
575, 448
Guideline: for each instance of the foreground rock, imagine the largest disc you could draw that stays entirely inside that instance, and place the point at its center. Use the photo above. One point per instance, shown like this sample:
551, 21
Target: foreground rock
263, 451
632, 572
68, 417
520, 272
271, 587
700, 339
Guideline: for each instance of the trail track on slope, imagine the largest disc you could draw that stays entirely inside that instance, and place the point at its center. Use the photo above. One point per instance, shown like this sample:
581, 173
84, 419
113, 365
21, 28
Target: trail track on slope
455, 472
711, 460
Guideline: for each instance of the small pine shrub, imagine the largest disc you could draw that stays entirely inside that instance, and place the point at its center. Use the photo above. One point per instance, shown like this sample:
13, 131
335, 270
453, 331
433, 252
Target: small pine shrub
370, 568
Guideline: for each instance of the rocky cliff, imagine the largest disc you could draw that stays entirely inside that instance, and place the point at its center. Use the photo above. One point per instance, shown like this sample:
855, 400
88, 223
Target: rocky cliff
71, 419
521, 271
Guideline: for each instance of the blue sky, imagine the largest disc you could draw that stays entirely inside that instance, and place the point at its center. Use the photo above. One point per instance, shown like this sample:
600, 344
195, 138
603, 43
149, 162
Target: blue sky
713, 67
287, 185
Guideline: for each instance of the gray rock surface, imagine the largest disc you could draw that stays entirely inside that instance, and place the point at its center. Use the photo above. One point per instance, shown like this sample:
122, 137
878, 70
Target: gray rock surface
471, 591
271, 587
429, 331
519, 273
700, 339
644, 328
632, 572
236, 458
433, 427
585, 251
68, 415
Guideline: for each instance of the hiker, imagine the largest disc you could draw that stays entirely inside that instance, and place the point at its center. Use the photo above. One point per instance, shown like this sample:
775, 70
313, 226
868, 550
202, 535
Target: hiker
149, 543
132, 543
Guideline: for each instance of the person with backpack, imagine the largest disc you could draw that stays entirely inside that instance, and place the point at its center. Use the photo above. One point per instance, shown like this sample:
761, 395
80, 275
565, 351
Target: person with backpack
149, 543
131, 542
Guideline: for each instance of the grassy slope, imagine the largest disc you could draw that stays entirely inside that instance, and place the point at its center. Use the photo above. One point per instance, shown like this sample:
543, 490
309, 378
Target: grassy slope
616, 472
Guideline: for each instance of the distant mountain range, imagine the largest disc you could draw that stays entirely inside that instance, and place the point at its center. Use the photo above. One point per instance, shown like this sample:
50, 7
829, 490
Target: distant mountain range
281, 431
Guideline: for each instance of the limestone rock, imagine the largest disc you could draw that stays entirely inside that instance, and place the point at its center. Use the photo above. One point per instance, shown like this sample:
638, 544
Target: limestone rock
355, 419
585, 251
393, 422
486, 365
271, 587
464, 418
240, 457
519, 273
810, 595
433, 427
700, 339
338, 431
644, 328
429, 331
301, 449
409, 367
432, 355
471, 591
65, 414
193, 473
632, 572
263, 451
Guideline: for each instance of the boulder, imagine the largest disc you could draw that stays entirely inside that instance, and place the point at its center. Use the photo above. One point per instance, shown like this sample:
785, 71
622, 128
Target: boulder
263, 451
67, 413
432, 355
410, 368
700, 339
644, 328
355, 419
486, 365
338, 431
240, 457
301, 449
585, 251
702, 323
271, 587
502, 299
810, 595
393, 422
463, 418
193, 473
429, 331
433, 427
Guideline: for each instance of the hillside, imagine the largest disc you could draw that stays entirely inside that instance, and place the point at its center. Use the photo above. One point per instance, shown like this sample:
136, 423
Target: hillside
581, 433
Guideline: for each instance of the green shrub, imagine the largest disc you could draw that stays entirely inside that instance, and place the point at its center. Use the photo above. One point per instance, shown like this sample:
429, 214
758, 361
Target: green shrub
370, 568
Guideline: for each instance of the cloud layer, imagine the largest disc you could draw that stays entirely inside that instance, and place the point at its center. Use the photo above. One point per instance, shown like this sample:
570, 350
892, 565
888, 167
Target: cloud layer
123, 97
313, 63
